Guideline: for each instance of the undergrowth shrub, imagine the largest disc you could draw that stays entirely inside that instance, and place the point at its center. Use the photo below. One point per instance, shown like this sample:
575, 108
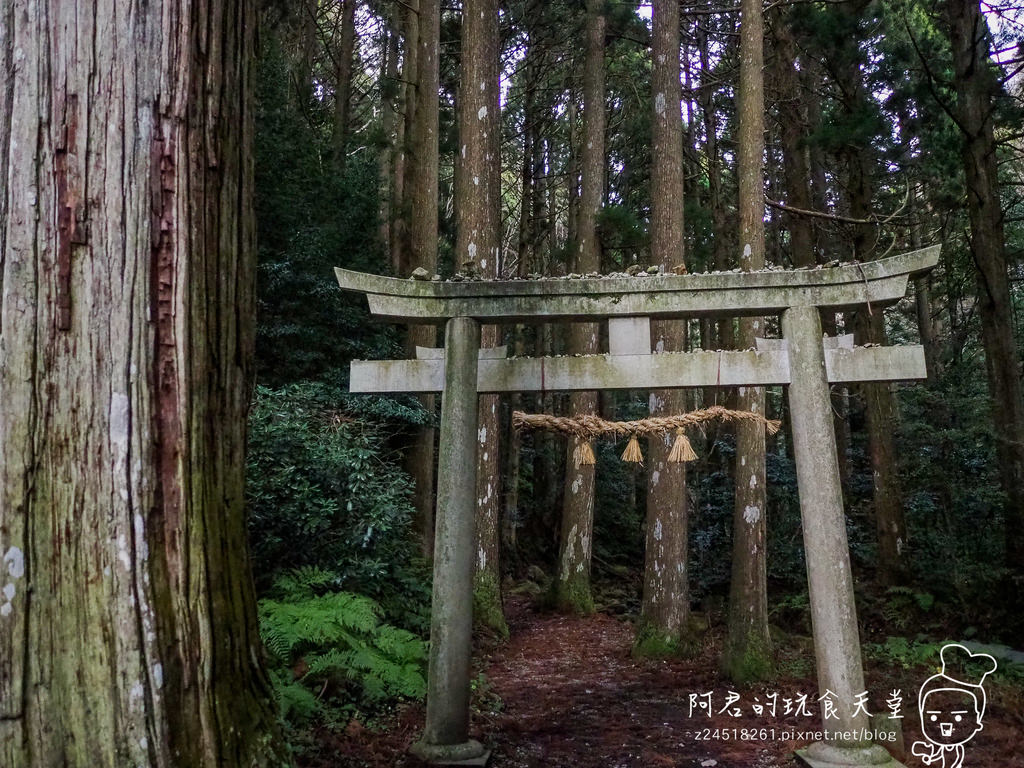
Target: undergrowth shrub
325, 490
954, 504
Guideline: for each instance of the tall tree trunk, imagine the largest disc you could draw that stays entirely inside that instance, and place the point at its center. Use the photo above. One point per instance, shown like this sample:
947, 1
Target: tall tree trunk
922, 285
343, 82
512, 464
308, 43
547, 471
792, 130
528, 250
422, 163
880, 407
387, 170
976, 87
128, 629
572, 585
401, 242
793, 115
882, 417
476, 247
529, 173
720, 252
923, 301
810, 79
420, 206
666, 596
747, 653
572, 224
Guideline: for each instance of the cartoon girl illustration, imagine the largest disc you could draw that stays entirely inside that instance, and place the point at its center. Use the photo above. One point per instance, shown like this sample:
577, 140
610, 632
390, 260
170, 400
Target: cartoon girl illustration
951, 705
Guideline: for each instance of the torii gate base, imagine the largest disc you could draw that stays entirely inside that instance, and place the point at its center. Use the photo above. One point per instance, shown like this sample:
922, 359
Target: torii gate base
801, 360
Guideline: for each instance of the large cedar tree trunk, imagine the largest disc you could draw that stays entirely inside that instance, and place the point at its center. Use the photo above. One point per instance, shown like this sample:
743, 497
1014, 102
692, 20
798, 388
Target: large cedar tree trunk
408, 13
882, 415
666, 597
792, 130
572, 582
420, 208
530, 214
128, 633
476, 247
811, 74
747, 652
976, 87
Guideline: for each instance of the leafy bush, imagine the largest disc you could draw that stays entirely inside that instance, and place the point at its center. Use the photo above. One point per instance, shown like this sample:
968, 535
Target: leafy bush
335, 642
324, 490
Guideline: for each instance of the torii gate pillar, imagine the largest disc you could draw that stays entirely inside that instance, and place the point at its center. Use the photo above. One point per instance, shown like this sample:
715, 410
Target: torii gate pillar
446, 734
829, 578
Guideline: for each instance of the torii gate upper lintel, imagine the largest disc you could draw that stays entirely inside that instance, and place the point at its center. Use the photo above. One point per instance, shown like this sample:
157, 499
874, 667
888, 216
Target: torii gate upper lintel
803, 359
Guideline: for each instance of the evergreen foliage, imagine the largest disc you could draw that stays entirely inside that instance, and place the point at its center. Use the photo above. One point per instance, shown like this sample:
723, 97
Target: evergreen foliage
325, 491
311, 219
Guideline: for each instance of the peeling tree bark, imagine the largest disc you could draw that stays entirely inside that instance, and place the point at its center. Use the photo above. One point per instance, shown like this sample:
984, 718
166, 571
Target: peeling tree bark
128, 635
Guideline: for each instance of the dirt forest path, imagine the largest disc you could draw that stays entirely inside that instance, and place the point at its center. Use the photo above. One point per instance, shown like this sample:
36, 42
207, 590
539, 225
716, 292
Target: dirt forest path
573, 696
564, 692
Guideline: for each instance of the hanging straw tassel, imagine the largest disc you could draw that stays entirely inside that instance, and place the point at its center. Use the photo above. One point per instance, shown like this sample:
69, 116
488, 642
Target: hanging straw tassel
583, 453
682, 451
632, 452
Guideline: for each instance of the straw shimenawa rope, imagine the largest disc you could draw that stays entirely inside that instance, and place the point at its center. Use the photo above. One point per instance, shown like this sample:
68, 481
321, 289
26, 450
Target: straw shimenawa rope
588, 426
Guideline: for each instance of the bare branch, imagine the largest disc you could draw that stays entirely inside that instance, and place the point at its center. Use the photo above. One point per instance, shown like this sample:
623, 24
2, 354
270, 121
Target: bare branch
877, 221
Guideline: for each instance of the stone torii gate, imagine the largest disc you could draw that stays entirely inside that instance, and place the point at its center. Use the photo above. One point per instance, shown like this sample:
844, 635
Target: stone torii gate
802, 359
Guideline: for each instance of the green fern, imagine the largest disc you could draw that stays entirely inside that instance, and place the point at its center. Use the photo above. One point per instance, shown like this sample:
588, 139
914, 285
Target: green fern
338, 643
903, 606
296, 702
305, 582
904, 652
